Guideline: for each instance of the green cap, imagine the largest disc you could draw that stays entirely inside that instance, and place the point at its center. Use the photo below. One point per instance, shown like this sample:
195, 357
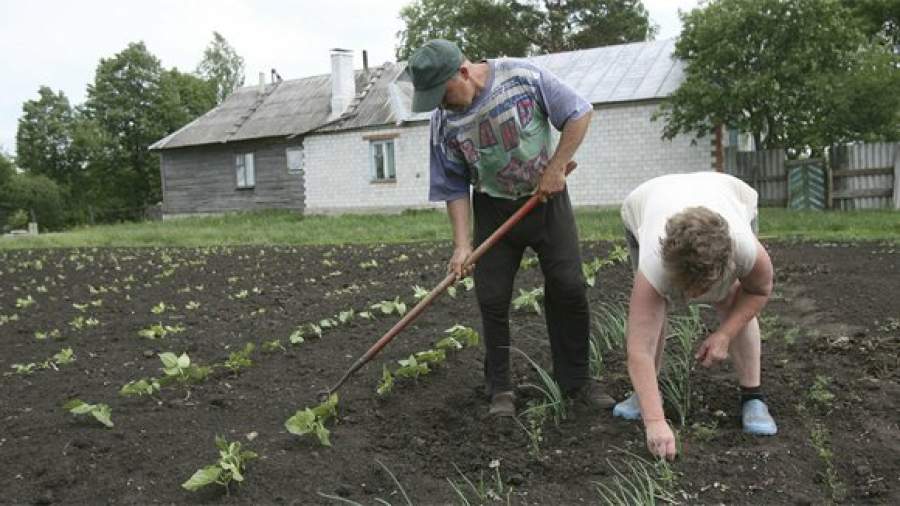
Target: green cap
430, 67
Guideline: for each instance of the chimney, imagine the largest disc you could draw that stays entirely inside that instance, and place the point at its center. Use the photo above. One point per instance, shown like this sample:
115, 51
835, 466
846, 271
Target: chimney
262, 83
365, 61
343, 81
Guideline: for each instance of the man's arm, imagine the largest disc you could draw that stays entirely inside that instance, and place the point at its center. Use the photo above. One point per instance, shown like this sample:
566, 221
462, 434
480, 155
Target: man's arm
554, 178
752, 295
458, 211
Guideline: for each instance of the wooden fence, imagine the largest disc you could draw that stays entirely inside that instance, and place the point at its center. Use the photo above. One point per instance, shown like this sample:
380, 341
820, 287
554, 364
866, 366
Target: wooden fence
860, 176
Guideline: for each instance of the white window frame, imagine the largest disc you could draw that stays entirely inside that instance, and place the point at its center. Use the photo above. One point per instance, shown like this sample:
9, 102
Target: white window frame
245, 170
298, 163
388, 155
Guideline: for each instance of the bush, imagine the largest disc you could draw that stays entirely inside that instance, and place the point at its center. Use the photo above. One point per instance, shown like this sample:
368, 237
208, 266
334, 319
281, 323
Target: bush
39, 194
17, 220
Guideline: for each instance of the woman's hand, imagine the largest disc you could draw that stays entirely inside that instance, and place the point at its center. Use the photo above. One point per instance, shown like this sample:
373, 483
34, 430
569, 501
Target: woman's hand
660, 439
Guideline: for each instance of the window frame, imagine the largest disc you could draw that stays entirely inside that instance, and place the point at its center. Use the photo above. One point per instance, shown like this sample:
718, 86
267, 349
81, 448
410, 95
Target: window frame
240, 169
389, 156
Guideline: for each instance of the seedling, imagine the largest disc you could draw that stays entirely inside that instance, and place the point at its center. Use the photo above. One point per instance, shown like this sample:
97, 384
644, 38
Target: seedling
159, 308
230, 467
273, 345
101, 412
528, 262
181, 370
531, 300
312, 420
370, 264
460, 336
158, 331
23, 303
819, 393
391, 306
65, 356
140, 388
553, 401
639, 483
419, 293
675, 382
387, 382
23, 369
435, 357
492, 490
411, 368
535, 416
468, 283
192, 305
238, 360
346, 317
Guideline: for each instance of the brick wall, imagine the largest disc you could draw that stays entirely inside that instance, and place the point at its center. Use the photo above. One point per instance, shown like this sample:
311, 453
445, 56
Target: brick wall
622, 149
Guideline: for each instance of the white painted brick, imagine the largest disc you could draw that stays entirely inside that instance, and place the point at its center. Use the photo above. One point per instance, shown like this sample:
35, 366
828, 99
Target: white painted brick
622, 149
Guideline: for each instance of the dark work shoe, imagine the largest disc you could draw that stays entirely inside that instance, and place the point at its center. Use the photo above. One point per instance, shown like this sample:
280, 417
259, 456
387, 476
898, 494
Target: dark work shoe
592, 397
503, 404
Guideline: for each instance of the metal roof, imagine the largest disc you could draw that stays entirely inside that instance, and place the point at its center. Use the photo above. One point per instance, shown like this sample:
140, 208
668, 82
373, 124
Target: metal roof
621, 73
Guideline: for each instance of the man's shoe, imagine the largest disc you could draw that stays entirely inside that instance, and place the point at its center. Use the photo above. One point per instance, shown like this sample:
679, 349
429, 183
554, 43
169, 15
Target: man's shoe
503, 404
629, 409
757, 420
590, 396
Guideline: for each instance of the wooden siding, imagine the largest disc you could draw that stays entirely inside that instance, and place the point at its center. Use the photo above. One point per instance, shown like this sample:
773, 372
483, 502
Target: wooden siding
202, 179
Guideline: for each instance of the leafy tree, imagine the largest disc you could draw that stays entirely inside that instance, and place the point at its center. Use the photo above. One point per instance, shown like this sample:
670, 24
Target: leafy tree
124, 101
879, 18
37, 194
7, 171
44, 136
773, 68
221, 66
491, 28
185, 97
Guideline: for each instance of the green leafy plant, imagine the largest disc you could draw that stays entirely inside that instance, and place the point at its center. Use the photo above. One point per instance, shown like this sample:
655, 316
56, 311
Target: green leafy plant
528, 262
419, 293
410, 368
64, 356
272, 346
312, 420
535, 417
238, 360
529, 299
345, 317
159, 308
485, 491
370, 264
819, 392
159, 331
434, 357
181, 370
27, 301
229, 468
387, 381
101, 412
459, 337
390, 307
140, 388
23, 369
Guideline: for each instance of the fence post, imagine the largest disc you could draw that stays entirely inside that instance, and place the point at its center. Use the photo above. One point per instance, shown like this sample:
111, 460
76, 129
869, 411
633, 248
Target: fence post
897, 176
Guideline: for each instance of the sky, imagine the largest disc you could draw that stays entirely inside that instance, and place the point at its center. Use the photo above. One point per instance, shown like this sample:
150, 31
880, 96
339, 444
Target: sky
59, 43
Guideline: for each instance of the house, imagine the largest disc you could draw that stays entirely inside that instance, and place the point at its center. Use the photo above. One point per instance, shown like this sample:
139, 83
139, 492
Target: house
347, 142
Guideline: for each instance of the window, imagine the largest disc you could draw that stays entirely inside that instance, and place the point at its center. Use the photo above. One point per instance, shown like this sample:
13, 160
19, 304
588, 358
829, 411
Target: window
382, 156
246, 174
295, 160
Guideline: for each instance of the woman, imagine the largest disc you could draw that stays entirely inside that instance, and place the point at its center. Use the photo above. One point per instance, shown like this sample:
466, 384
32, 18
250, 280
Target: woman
692, 239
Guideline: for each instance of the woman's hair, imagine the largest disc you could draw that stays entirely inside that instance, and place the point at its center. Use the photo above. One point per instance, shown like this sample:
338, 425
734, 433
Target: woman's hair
697, 249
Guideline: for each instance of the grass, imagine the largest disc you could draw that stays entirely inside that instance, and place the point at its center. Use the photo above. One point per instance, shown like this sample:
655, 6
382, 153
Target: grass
288, 228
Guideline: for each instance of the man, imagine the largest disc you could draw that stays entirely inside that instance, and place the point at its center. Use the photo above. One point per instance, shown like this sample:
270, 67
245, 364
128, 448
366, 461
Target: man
491, 131
692, 239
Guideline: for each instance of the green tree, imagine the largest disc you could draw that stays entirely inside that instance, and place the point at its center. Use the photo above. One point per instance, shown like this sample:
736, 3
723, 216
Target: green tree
493, 28
768, 67
879, 18
44, 136
39, 195
7, 170
221, 66
124, 101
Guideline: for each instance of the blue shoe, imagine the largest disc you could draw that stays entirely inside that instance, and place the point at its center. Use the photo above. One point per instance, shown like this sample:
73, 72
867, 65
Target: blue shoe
629, 409
757, 420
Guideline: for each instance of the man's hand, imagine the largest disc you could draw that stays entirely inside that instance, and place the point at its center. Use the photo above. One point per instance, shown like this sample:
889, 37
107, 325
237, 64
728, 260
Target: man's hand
660, 439
553, 181
713, 349
460, 254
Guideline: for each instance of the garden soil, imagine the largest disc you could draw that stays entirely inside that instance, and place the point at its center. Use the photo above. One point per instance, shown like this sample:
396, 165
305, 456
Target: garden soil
834, 319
